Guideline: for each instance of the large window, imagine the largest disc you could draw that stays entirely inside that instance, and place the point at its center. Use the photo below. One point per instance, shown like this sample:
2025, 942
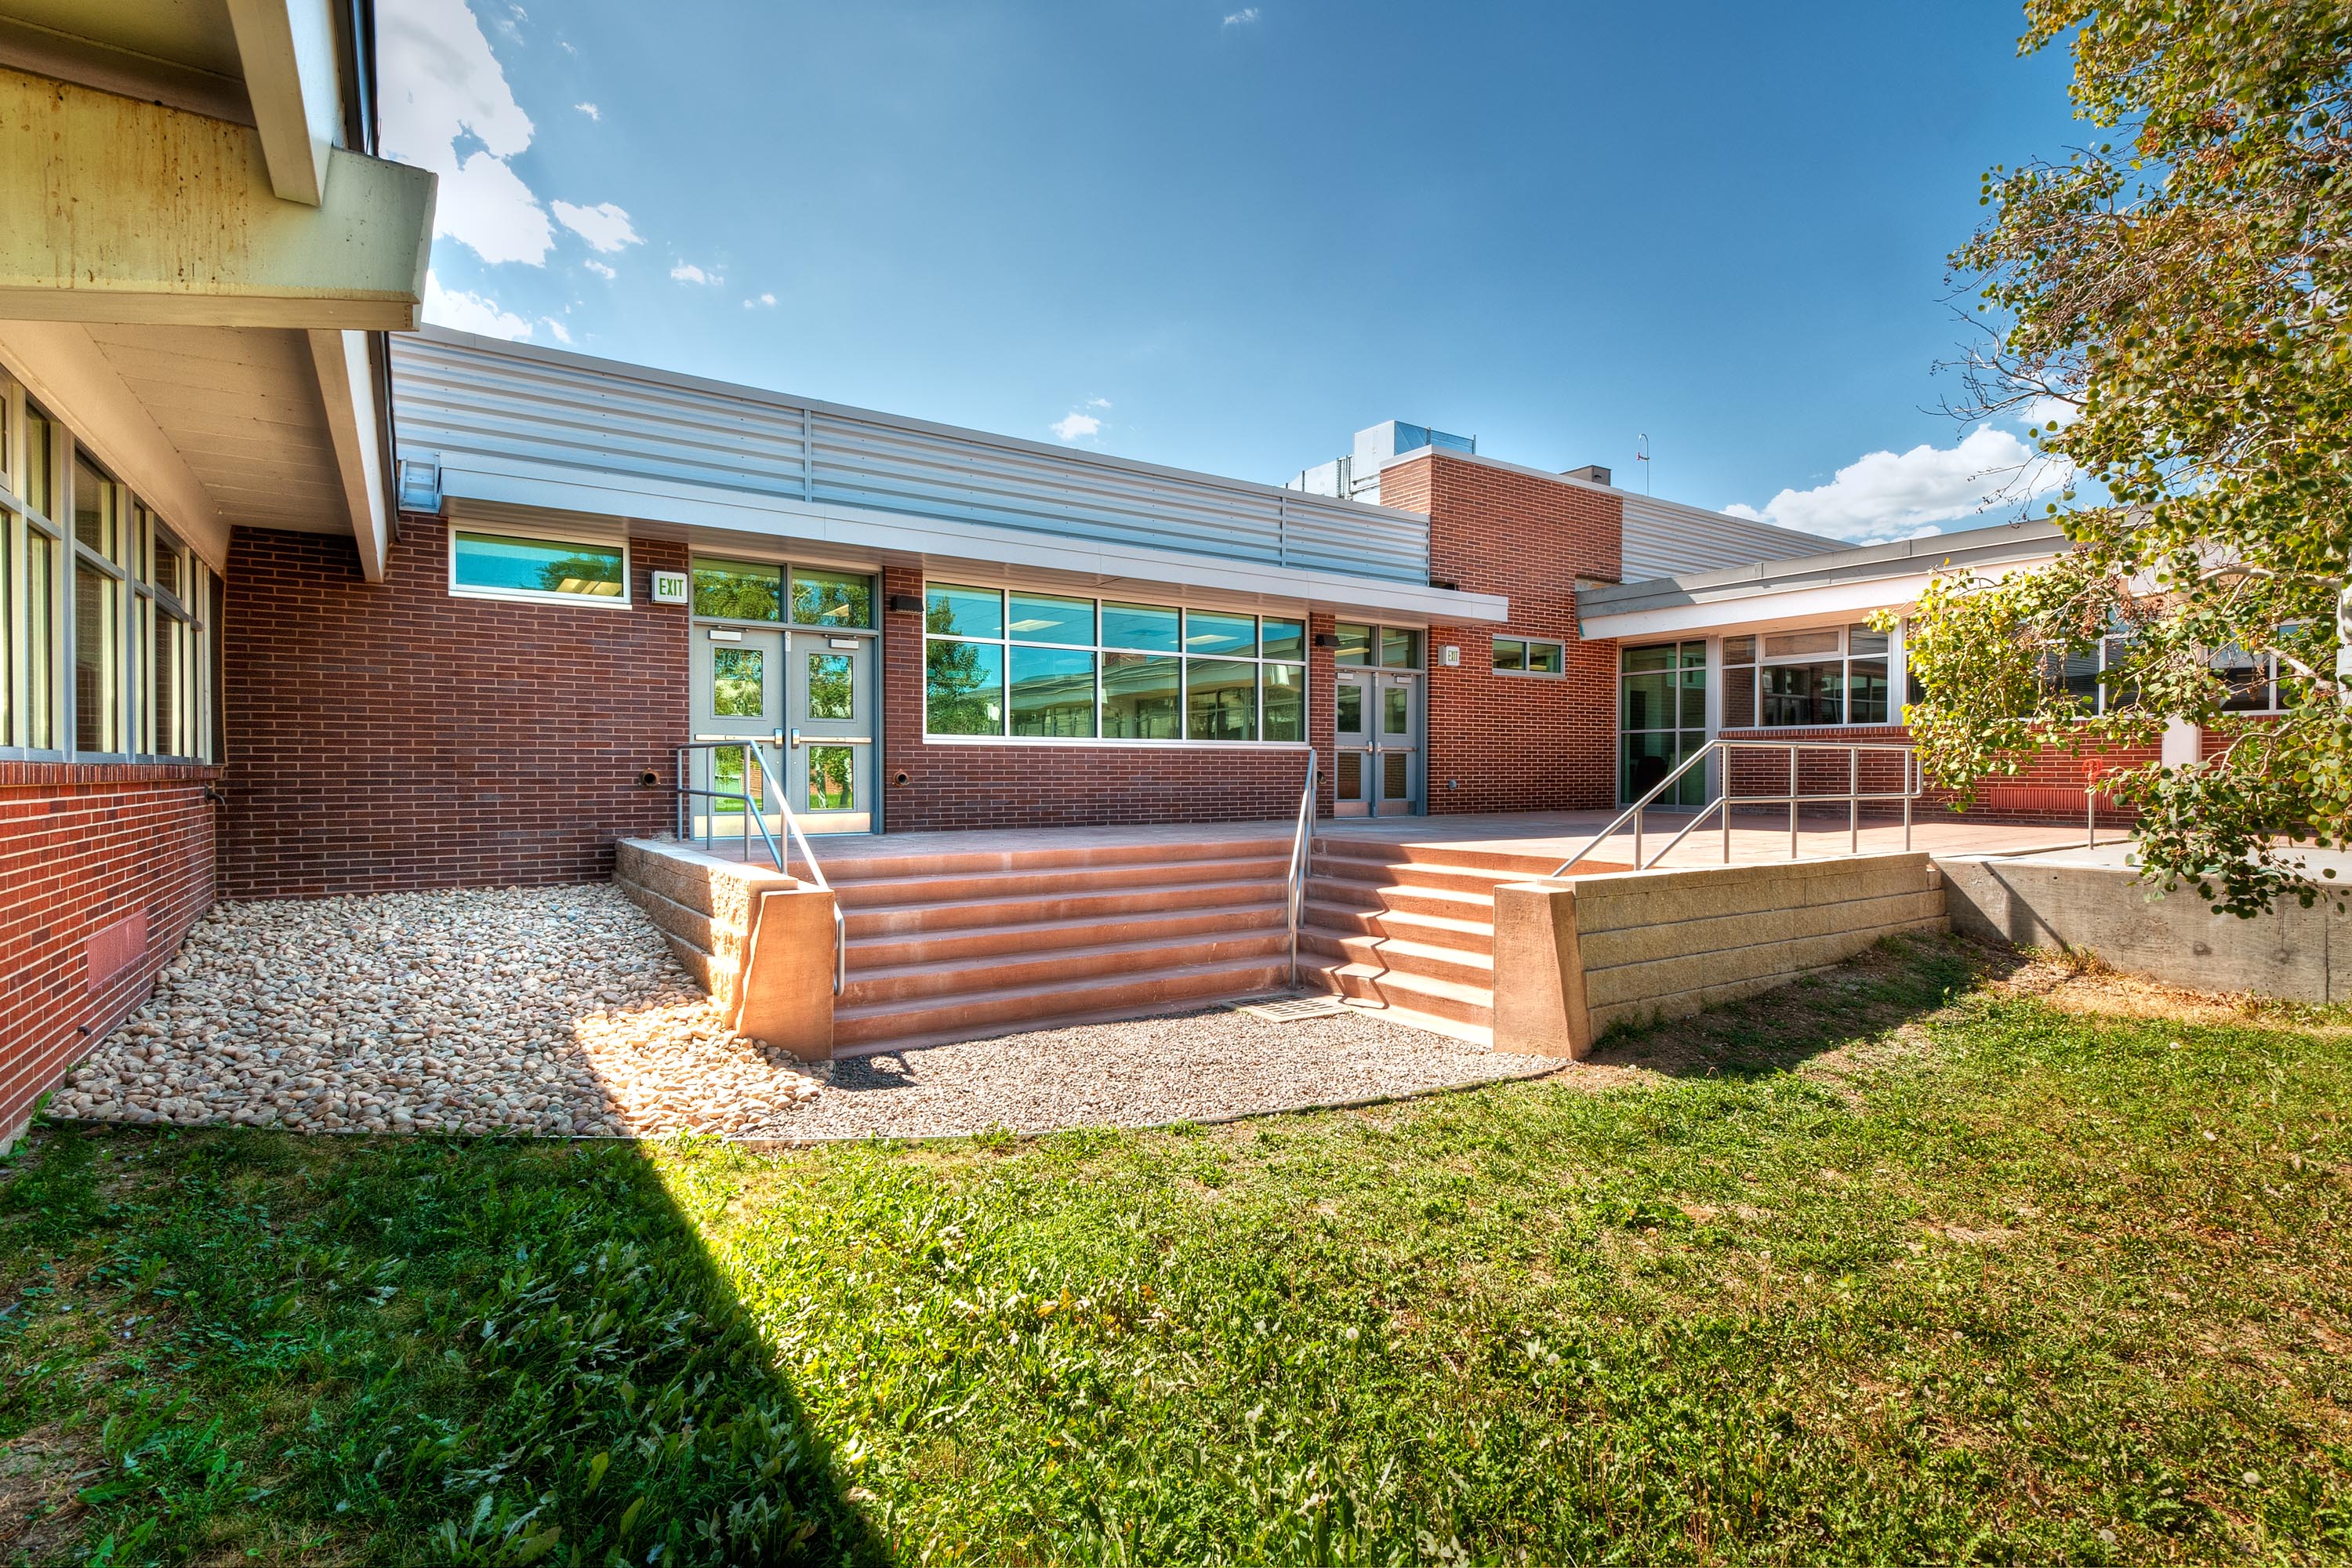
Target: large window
106, 615
504, 566
1827, 675
1054, 667
759, 591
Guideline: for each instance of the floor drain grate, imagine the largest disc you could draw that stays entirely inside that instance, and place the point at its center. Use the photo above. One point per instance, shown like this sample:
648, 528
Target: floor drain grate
1294, 1009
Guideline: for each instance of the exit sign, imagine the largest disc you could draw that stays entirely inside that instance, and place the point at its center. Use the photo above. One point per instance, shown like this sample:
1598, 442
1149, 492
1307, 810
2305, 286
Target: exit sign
669, 588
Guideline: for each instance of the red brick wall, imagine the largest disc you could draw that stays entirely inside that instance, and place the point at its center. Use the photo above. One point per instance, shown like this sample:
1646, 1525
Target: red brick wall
2050, 788
101, 866
384, 737
1505, 743
1015, 785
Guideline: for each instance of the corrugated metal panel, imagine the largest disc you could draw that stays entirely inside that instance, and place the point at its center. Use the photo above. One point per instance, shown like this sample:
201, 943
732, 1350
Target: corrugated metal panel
1666, 538
530, 412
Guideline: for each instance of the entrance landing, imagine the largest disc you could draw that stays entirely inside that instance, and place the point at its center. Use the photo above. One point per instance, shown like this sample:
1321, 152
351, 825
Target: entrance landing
959, 935
1536, 834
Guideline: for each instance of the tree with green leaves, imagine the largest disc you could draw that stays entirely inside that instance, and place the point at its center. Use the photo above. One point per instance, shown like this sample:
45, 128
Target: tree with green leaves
2173, 307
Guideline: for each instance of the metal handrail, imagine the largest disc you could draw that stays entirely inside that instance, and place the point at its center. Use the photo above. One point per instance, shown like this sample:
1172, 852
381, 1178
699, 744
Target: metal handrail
1725, 799
1295, 886
753, 816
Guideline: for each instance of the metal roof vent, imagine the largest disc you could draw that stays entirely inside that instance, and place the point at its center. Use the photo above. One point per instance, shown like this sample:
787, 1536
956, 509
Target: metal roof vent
1591, 472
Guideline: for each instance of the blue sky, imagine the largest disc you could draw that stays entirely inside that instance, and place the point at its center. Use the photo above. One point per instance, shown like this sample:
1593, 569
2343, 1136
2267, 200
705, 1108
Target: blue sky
1226, 236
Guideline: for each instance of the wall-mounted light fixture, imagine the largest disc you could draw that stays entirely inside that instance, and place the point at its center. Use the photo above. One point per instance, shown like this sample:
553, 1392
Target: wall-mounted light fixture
906, 603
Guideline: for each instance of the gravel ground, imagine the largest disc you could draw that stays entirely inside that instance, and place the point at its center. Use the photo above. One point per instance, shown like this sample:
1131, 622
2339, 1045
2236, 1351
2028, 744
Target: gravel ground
1181, 1066
560, 1011
554, 1010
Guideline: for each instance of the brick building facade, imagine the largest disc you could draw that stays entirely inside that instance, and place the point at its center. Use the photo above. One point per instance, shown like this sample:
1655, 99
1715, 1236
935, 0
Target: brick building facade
102, 870
389, 736
1500, 741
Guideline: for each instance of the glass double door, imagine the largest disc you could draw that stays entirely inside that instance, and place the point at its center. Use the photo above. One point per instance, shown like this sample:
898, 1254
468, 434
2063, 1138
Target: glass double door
811, 696
1661, 722
1377, 763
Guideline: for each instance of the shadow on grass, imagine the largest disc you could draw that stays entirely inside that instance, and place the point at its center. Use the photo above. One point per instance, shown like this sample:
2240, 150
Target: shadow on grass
1900, 980
391, 1350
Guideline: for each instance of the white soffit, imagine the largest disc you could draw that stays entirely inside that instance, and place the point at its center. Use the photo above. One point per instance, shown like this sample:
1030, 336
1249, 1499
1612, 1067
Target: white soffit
242, 406
67, 372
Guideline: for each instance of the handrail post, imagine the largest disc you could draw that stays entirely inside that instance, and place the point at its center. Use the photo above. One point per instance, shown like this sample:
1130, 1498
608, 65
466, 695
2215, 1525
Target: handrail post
1724, 797
1910, 762
1793, 803
1294, 880
1853, 800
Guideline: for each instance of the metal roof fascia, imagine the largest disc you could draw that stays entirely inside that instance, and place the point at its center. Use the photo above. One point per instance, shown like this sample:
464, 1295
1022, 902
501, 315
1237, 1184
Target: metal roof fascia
908, 533
1839, 600
2008, 544
569, 359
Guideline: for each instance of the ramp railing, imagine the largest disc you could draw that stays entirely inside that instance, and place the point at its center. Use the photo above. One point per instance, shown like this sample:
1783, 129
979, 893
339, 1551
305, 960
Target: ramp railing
1294, 884
755, 757
1853, 797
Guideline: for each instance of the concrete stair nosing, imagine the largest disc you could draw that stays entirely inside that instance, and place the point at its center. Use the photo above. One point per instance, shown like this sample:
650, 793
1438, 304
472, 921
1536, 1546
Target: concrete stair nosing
1045, 1005
939, 887
884, 952
1436, 930
851, 866
1031, 909
1457, 964
1000, 973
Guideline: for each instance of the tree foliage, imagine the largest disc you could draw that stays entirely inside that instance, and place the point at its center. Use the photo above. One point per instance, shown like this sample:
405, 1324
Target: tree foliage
2171, 313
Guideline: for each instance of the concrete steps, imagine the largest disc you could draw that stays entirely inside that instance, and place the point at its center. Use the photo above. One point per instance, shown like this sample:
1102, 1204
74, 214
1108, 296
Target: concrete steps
956, 946
1408, 928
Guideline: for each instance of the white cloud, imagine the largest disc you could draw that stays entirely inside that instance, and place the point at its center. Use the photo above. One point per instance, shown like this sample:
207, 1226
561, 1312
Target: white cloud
484, 203
589, 109
604, 225
1890, 495
562, 333
1098, 402
599, 269
443, 85
1076, 427
762, 300
1243, 17
688, 272
471, 312
2045, 411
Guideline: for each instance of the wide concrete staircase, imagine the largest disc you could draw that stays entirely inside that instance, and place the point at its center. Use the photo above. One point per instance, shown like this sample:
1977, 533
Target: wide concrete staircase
951, 944
1408, 928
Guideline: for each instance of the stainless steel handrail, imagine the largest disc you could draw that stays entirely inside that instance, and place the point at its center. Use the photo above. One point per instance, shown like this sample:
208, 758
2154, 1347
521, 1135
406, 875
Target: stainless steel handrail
1853, 797
1295, 886
753, 816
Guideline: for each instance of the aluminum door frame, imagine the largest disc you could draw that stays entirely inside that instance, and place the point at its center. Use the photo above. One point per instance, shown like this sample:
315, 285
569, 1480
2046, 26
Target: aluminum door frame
1410, 748
708, 643
804, 734
1355, 746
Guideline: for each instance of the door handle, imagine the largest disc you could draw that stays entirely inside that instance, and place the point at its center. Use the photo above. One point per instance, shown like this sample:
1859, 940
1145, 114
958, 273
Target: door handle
796, 737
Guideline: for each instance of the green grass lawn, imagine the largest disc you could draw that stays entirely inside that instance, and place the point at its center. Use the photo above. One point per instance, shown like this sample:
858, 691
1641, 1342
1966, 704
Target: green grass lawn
1908, 1265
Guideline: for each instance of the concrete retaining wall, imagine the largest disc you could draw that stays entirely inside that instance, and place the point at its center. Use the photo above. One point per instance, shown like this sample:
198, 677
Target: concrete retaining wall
760, 941
2089, 901
1576, 956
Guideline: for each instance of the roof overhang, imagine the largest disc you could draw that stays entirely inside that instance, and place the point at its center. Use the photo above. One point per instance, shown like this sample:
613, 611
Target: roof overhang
854, 534
147, 214
1842, 584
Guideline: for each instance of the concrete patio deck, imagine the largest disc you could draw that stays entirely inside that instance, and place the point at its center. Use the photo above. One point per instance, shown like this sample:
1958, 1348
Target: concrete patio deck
1756, 837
